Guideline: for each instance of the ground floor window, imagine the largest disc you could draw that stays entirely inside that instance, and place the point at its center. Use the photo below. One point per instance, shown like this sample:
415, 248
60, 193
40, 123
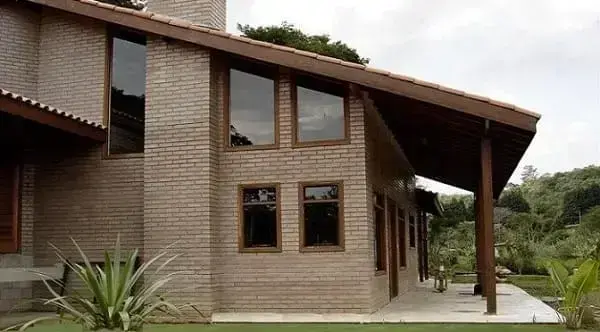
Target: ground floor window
321, 216
260, 227
9, 208
412, 241
402, 236
379, 219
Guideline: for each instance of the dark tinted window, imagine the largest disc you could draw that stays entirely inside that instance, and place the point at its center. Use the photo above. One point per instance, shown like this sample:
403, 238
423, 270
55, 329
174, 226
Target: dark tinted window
321, 213
251, 109
127, 93
320, 111
380, 249
259, 218
411, 232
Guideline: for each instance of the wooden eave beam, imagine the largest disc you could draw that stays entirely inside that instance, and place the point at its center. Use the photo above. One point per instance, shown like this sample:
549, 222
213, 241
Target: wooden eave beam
32, 113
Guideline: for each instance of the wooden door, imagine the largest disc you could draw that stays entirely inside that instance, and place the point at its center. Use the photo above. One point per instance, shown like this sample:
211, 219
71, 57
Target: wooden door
393, 249
9, 207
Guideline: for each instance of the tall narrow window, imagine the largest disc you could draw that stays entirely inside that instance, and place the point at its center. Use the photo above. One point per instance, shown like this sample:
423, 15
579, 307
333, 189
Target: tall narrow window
321, 111
402, 235
321, 216
127, 93
9, 208
412, 232
251, 117
379, 216
259, 218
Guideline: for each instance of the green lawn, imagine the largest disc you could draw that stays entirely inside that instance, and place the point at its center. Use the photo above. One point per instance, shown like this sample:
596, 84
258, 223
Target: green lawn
537, 286
324, 328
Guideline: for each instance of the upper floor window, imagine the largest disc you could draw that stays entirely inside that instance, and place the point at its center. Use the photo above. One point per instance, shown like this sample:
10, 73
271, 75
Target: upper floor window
251, 115
127, 93
259, 218
321, 216
321, 111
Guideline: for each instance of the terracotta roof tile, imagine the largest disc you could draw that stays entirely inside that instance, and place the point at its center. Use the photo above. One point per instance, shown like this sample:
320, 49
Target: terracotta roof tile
124, 10
189, 25
47, 108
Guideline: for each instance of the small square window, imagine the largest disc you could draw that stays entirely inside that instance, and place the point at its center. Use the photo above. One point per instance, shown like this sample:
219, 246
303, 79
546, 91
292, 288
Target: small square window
321, 216
260, 226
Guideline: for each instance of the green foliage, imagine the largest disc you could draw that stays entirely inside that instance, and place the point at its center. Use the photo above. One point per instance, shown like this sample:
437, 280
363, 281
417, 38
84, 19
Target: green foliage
578, 201
513, 199
573, 288
118, 301
288, 35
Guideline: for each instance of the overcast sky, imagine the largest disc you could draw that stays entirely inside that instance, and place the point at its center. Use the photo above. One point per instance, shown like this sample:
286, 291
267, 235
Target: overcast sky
543, 55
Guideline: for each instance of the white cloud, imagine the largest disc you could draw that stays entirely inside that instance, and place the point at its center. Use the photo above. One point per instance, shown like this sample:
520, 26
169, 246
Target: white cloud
543, 55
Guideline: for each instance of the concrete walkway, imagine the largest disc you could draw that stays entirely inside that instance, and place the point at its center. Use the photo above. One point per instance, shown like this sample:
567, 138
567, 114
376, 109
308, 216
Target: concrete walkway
456, 305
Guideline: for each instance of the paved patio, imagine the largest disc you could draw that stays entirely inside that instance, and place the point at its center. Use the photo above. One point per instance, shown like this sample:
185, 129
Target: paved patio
456, 305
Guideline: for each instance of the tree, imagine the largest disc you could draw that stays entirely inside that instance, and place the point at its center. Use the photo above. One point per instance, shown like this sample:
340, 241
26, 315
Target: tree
529, 173
288, 35
514, 200
578, 201
133, 4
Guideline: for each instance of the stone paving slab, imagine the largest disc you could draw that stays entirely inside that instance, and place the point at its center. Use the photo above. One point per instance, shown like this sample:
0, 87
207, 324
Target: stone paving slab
456, 305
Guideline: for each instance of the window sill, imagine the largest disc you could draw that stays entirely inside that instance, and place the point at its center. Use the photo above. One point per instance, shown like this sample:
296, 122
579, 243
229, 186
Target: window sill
380, 273
322, 249
251, 147
124, 155
260, 250
320, 143
412, 248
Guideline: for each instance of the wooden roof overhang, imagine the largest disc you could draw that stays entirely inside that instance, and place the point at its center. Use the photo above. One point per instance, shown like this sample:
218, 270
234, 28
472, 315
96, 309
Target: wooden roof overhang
429, 202
444, 144
22, 117
439, 128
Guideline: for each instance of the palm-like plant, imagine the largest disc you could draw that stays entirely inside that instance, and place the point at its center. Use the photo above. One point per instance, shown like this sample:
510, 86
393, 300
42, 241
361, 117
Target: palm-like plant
573, 288
118, 300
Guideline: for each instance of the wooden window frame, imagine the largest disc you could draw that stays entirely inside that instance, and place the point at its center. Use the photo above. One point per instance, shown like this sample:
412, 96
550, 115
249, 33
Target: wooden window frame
269, 72
13, 246
412, 232
112, 32
241, 235
296, 143
382, 245
402, 230
339, 200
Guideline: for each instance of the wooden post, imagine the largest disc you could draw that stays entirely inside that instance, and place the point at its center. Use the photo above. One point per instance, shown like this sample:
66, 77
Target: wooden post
479, 242
425, 247
487, 212
420, 251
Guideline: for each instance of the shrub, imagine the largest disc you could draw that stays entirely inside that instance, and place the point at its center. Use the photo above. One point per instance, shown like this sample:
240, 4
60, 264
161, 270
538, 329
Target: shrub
574, 289
118, 301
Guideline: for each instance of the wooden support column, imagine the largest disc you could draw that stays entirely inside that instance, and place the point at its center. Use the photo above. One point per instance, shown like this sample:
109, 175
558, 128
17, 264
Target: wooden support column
425, 247
487, 212
479, 289
420, 250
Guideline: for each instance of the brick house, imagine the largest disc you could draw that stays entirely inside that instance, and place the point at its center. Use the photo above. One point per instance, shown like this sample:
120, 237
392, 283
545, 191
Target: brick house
287, 177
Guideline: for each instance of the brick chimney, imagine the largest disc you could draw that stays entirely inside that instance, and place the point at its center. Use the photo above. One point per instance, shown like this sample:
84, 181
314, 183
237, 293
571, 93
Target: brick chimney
210, 13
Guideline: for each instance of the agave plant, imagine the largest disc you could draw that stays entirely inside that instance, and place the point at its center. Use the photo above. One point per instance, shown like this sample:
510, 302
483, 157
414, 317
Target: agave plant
573, 288
118, 300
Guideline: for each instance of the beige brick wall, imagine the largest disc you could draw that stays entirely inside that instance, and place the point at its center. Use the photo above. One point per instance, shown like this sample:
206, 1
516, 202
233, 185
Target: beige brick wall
180, 164
19, 40
78, 193
212, 13
293, 281
389, 173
